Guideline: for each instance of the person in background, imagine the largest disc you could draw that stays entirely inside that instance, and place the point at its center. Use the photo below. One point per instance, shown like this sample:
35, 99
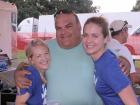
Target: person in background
119, 36
70, 76
38, 56
111, 84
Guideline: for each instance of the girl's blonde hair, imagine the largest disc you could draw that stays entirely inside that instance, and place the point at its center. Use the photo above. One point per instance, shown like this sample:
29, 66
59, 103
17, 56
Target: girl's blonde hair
34, 43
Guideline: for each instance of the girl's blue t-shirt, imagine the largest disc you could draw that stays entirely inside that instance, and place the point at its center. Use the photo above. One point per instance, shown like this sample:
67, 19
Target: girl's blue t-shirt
38, 90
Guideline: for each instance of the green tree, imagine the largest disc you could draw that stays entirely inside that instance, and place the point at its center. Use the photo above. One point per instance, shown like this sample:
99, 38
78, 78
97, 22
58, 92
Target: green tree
137, 6
34, 8
79, 6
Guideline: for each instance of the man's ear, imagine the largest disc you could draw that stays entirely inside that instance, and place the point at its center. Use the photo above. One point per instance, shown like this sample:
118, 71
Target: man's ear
107, 39
82, 36
79, 26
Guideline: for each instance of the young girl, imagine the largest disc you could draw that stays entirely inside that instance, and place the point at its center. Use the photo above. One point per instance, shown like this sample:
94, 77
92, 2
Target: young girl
38, 56
111, 84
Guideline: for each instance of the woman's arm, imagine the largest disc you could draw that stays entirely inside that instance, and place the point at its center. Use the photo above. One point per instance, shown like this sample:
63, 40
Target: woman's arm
22, 99
128, 96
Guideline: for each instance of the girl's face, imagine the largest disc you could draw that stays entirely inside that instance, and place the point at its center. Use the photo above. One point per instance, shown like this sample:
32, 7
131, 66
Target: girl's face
40, 58
93, 40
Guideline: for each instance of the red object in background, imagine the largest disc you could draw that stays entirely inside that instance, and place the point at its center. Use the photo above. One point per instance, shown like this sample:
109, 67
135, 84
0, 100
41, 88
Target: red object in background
134, 41
24, 38
131, 49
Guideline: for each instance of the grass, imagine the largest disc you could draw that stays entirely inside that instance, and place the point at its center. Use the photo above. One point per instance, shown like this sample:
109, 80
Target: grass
21, 55
137, 64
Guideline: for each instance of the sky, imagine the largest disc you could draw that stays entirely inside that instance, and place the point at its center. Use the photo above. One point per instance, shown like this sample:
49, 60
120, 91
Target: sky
115, 5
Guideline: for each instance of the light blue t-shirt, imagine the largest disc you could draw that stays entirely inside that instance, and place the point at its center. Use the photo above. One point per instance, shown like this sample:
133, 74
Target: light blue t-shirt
70, 76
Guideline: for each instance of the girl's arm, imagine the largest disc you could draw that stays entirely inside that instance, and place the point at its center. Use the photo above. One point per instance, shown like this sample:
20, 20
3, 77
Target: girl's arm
128, 96
22, 99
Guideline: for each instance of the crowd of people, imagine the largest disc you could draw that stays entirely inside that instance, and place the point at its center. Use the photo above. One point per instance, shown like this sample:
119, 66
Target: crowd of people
79, 73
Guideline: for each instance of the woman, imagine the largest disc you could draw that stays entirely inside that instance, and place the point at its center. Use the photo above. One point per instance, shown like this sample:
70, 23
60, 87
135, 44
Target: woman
111, 84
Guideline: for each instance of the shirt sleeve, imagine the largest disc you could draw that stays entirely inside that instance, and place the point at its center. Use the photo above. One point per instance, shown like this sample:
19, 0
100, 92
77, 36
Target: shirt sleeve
114, 76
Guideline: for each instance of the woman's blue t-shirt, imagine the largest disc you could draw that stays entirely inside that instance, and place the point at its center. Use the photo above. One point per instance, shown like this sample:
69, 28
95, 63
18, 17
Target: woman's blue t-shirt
110, 79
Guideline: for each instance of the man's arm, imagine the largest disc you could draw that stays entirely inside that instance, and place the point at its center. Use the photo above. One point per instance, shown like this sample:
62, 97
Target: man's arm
125, 65
19, 76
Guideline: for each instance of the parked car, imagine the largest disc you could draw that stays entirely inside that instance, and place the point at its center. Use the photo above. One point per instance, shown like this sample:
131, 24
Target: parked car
134, 40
